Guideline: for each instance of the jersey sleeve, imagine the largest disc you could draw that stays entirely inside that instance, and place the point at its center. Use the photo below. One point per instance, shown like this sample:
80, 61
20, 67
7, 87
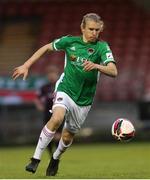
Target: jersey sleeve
60, 43
106, 54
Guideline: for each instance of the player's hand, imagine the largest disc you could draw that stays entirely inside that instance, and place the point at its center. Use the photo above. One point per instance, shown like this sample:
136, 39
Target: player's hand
18, 71
88, 65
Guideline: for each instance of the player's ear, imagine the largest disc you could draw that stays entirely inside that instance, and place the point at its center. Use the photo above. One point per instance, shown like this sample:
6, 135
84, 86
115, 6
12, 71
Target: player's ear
81, 26
101, 26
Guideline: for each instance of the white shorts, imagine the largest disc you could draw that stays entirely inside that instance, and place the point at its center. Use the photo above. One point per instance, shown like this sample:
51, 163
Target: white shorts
75, 115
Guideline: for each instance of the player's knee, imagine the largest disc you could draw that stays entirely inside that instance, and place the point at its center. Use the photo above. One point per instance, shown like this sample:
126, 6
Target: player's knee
67, 138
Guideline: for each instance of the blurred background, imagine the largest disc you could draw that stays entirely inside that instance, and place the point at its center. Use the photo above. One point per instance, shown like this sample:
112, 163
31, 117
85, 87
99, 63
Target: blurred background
26, 25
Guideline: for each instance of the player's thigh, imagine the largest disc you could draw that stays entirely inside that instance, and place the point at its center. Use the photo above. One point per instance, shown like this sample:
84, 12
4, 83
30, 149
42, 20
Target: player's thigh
57, 118
58, 113
76, 118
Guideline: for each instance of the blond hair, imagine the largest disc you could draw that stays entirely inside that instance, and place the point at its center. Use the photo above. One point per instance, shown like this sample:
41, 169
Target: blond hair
94, 17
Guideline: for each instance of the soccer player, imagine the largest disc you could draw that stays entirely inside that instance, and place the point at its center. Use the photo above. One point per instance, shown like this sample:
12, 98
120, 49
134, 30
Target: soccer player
44, 102
86, 57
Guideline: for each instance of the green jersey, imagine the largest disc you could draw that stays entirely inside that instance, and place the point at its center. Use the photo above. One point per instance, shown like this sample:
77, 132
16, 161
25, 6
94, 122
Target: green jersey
77, 83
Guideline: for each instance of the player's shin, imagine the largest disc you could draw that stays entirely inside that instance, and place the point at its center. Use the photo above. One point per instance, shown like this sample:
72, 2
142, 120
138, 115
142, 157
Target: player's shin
45, 138
61, 149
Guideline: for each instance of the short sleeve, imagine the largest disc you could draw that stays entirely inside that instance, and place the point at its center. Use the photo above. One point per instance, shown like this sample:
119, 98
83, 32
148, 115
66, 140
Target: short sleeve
61, 43
106, 54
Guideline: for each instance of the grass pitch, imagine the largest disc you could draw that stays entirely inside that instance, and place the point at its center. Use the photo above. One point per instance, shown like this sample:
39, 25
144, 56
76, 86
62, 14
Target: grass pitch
91, 161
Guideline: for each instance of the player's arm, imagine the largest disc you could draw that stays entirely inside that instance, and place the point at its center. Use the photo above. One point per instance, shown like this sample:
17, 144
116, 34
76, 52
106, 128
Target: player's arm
107, 65
38, 100
39, 105
109, 69
23, 69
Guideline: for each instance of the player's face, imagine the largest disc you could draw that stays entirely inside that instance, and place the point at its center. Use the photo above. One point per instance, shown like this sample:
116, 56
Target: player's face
53, 76
91, 31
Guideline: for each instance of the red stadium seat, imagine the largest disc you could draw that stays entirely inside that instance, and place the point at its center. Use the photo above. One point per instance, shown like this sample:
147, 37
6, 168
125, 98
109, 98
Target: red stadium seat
127, 31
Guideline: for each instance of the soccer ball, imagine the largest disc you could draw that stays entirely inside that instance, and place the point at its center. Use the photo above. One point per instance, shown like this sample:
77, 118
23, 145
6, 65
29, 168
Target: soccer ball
123, 129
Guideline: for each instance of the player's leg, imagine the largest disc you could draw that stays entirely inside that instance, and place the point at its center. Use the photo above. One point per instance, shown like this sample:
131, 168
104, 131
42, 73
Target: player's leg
65, 142
57, 136
54, 144
74, 119
51, 145
46, 137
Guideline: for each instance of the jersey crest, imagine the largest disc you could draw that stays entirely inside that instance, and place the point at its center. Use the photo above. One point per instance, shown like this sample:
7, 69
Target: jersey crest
91, 51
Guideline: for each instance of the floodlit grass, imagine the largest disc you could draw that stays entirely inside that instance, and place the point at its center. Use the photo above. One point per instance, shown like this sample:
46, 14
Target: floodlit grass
100, 161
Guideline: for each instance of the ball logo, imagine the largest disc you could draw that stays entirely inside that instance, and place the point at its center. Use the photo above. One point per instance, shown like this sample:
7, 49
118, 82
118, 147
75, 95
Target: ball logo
59, 99
123, 130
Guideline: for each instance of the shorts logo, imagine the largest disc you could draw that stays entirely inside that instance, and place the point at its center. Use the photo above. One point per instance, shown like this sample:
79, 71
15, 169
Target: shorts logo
59, 99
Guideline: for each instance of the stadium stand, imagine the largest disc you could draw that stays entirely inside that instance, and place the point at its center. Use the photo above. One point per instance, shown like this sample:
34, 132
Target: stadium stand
16, 43
126, 30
